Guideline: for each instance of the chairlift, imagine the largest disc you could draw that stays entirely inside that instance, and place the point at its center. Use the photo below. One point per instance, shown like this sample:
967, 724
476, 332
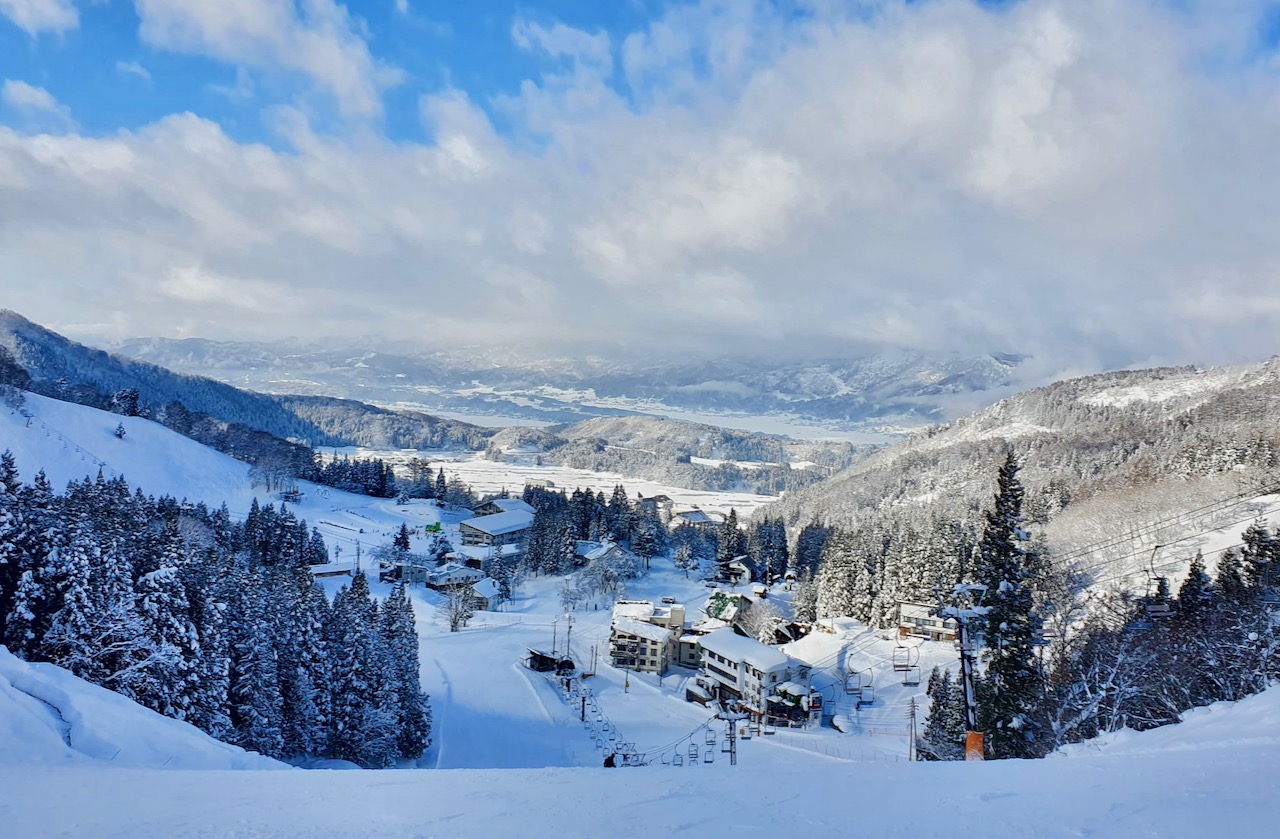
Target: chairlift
853, 683
709, 756
904, 657
711, 737
678, 760
744, 733
693, 751
911, 676
868, 696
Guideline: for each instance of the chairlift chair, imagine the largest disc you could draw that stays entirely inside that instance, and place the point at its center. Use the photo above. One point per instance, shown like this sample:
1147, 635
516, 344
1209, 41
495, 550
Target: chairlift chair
904, 658
911, 676
678, 760
709, 756
693, 751
711, 738
868, 696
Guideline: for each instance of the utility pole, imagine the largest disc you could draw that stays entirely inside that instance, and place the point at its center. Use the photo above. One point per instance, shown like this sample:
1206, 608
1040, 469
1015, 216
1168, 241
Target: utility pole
911, 743
568, 635
966, 600
554, 623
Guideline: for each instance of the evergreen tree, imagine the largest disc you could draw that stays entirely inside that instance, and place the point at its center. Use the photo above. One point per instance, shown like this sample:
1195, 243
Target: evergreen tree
257, 709
401, 542
1010, 692
413, 714
944, 733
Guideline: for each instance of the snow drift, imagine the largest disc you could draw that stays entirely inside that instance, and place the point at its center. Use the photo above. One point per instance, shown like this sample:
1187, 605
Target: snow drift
49, 716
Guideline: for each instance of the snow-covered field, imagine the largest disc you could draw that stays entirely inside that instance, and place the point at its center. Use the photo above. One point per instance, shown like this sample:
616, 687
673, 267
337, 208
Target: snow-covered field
488, 476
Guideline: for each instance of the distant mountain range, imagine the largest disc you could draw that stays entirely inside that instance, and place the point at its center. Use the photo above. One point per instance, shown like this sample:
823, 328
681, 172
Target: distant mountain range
273, 428
874, 393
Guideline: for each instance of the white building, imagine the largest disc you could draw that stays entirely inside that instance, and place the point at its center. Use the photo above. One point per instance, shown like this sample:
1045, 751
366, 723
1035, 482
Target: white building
764, 678
645, 637
920, 621
504, 505
498, 529
453, 574
486, 594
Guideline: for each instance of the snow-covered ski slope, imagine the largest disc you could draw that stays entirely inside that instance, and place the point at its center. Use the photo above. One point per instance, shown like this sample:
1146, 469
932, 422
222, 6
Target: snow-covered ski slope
1211, 776
71, 441
48, 717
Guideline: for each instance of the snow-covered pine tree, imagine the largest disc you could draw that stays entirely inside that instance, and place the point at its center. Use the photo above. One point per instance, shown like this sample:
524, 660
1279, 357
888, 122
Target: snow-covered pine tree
303, 663
1010, 692
836, 576
943, 737
257, 713
213, 582
170, 684
413, 713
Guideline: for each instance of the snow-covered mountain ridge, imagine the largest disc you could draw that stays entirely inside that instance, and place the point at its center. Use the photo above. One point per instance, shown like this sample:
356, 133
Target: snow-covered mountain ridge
1100, 456
907, 389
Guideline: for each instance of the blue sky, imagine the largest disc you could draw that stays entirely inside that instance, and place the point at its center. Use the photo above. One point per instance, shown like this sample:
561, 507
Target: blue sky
1090, 182
111, 77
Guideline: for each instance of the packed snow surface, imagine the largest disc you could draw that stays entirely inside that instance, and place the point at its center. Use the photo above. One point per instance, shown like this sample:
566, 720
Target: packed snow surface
1210, 778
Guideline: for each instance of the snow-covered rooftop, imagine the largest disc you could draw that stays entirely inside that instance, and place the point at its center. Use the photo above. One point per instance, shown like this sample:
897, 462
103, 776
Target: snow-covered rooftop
511, 505
740, 648
499, 524
638, 609
641, 629
487, 588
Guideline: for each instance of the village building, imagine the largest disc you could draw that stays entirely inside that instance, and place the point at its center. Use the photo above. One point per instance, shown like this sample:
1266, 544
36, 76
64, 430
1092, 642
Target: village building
409, 569
739, 571
503, 505
660, 505
452, 574
694, 518
498, 529
916, 620
645, 637
486, 595
586, 552
764, 679
539, 483
342, 568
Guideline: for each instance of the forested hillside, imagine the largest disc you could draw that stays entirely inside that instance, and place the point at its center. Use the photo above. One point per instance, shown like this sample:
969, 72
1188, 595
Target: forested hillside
1113, 460
685, 454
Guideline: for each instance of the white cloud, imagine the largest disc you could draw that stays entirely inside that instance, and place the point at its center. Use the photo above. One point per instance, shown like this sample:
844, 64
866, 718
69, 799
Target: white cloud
401, 6
36, 16
1062, 178
133, 68
317, 38
31, 99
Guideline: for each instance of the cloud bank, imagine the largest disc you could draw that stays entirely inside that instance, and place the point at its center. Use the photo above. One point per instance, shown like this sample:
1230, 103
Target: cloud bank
1093, 182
